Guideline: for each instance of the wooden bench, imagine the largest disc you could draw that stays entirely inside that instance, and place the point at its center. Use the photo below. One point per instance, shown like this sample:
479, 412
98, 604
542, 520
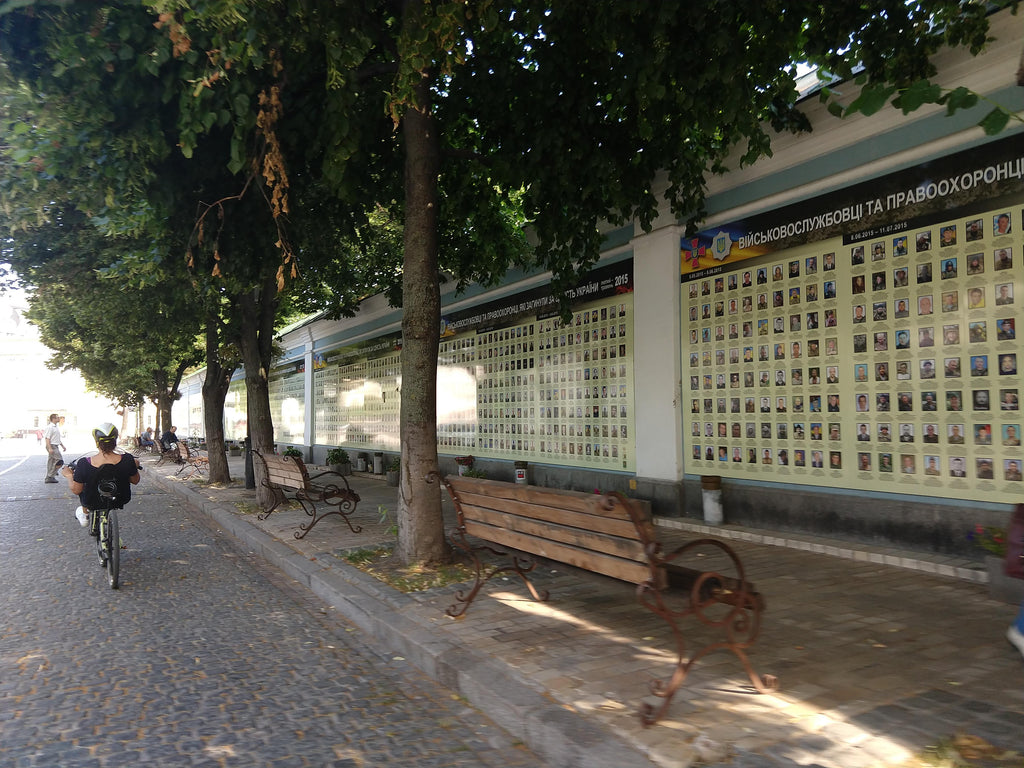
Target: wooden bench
172, 454
614, 536
192, 460
284, 475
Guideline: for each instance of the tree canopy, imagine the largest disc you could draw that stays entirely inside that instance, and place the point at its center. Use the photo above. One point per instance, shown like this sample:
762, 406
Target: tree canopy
456, 125
129, 345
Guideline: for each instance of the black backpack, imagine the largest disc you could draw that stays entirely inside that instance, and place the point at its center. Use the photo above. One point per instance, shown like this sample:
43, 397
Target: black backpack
104, 491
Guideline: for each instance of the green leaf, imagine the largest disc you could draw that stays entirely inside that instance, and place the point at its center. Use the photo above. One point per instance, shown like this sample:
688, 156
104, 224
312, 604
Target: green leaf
959, 98
920, 92
994, 121
872, 98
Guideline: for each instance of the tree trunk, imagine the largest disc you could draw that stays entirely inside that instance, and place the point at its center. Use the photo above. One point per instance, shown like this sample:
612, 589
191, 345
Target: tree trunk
420, 525
215, 390
163, 405
256, 339
167, 393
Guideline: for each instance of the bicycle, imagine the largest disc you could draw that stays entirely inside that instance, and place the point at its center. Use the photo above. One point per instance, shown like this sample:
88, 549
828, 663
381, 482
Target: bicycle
103, 525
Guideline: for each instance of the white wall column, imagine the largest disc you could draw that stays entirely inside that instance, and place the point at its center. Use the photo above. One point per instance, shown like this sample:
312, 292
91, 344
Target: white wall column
307, 384
656, 359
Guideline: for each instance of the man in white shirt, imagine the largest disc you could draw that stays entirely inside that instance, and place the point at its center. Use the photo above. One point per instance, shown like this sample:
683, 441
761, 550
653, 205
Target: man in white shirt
54, 445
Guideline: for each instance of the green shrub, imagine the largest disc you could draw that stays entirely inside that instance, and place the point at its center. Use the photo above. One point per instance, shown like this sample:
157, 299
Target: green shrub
337, 456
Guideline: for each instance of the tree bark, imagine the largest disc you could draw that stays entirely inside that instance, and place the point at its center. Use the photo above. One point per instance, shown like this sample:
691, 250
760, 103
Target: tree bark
420, 525
257, 311
215, 390
163, 402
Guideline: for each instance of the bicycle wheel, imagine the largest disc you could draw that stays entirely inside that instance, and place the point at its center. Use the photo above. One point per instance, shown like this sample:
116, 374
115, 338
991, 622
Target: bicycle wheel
113, 545
98, 526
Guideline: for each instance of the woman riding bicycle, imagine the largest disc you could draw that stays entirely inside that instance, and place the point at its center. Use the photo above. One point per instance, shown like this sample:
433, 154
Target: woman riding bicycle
82, 480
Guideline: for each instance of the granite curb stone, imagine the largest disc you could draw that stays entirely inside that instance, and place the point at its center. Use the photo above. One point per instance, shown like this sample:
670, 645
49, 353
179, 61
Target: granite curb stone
560, 737
856, 631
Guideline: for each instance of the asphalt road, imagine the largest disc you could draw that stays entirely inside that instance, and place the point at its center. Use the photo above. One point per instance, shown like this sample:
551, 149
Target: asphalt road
204, 657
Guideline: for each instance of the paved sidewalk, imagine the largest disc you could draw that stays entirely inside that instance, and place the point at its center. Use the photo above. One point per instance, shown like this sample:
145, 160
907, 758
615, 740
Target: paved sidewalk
879, 653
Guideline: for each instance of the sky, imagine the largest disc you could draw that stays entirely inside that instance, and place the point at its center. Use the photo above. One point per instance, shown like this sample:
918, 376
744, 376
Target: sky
28, 389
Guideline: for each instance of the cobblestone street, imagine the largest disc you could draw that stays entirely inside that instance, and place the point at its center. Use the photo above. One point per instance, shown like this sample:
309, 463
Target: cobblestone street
203, 657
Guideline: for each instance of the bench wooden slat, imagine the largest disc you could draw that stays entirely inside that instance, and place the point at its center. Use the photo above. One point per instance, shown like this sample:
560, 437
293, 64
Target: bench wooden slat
576, 501
291, 480
593, 518
618, 568
627, 547
286, 471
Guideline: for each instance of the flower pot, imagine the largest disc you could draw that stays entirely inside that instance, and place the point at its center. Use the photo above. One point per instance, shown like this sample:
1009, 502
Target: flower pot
1002, 587
391, 477
342, 469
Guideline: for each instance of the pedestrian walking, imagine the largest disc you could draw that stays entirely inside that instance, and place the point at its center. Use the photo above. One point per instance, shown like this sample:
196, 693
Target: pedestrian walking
1015, 634
54, 445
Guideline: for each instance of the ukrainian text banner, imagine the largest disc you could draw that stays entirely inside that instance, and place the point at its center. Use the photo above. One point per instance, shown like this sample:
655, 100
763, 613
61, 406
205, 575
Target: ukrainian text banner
875, 347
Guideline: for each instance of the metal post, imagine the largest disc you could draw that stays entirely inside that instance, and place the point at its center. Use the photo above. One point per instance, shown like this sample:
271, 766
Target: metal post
250, 475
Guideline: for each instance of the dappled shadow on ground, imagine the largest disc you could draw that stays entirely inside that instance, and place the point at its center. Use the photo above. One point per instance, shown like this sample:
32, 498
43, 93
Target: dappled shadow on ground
875, 663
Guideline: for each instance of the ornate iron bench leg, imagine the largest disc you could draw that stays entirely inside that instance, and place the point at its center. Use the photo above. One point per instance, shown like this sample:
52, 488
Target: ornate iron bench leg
279, 499
342, 509
520, 566
741, 624
736, 622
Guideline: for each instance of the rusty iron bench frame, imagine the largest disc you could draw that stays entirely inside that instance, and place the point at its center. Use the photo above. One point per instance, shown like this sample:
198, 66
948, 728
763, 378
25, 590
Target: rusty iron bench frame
168, 454
617, 538
191, 460
326, 488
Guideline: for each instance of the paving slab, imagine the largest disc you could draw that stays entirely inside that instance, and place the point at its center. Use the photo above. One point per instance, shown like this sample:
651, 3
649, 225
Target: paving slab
880, 653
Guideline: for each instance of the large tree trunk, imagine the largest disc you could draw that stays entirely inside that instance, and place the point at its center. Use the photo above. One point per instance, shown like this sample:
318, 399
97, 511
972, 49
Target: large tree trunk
420, 525
163, 402
256, 339
157, 426
215, 390
167, 392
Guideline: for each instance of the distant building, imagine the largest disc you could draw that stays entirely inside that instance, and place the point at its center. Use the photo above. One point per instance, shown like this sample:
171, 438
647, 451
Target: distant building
30, 391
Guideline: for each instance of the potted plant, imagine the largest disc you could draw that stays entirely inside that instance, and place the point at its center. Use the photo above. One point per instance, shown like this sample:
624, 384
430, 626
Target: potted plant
391, 473
338, 461
465, 463
1001, 585
479, 473
235, 449
291, 450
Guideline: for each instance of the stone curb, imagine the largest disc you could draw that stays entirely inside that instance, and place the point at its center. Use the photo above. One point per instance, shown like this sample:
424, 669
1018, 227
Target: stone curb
557, 735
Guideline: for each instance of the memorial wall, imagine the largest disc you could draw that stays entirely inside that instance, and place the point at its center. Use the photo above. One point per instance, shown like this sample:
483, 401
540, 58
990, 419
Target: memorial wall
865, 339
236, 420
356, 395
287, 393
514, 380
